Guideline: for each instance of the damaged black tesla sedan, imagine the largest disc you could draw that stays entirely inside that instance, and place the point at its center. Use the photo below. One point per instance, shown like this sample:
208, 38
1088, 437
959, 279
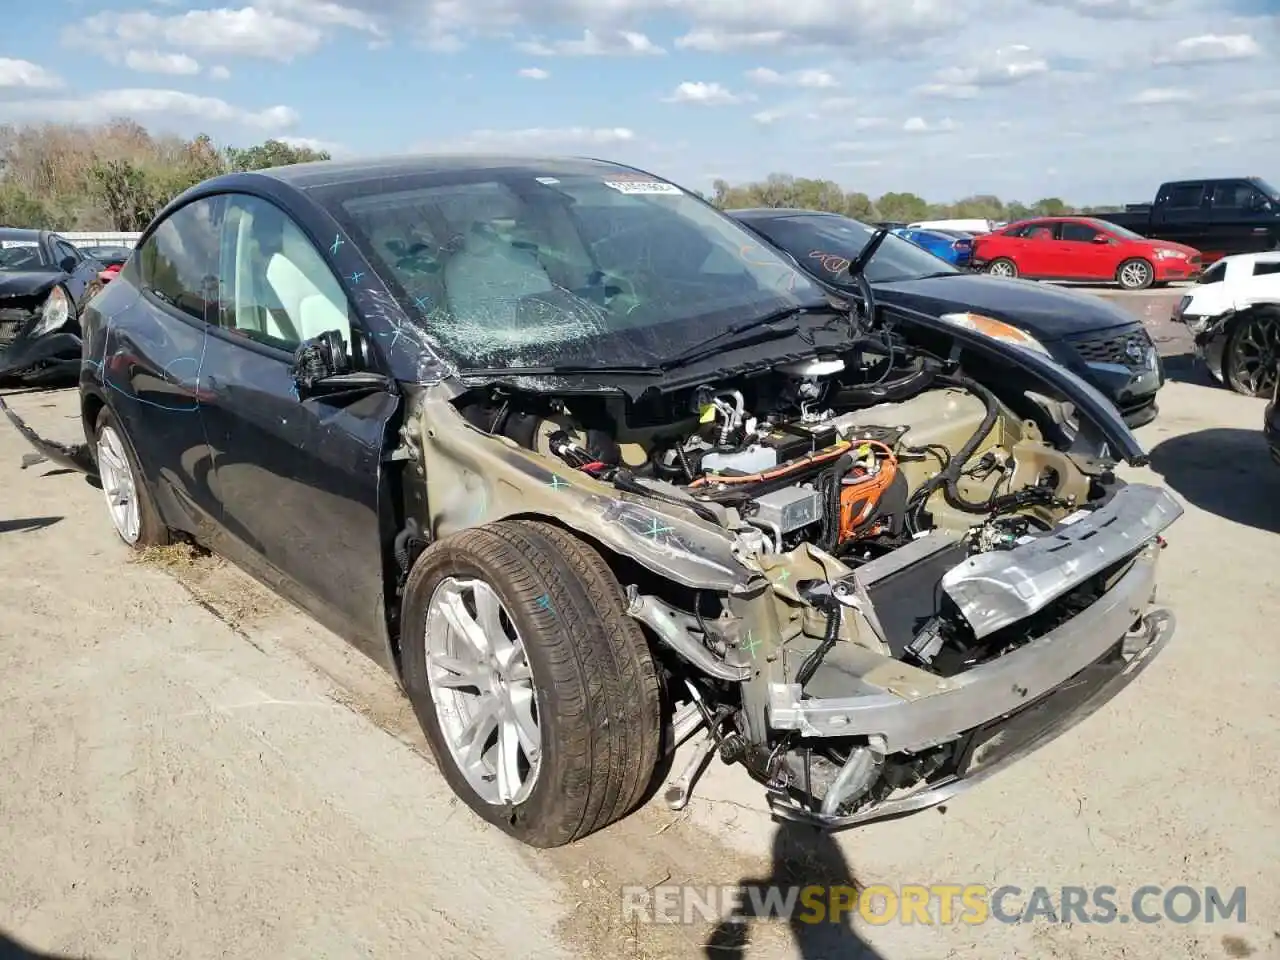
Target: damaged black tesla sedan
592, 471
45, 283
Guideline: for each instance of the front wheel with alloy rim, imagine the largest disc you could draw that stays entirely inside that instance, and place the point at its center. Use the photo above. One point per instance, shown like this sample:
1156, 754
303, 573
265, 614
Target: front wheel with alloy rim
1003, 267
1251, 359
129, 502
1135, 275
537, 692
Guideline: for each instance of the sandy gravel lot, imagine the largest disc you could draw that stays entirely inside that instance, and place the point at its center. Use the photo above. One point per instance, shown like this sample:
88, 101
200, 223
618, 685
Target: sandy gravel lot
196, 770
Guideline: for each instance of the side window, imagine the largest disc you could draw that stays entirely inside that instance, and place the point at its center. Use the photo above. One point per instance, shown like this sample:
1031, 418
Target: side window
1215, 274
277, 289
1185, 196
178, 264
1078, 232
1264, 268
64, 250
1232, 196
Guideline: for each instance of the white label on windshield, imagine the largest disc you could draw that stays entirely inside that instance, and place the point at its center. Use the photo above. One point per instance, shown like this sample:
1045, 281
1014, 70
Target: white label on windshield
643, 186
14, 244
548, 181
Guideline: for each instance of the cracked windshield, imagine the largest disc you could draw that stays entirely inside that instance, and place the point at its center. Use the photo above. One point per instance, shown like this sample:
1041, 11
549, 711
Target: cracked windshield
530, 271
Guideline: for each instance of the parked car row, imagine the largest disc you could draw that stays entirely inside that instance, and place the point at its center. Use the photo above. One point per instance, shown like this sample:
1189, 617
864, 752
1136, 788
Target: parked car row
601, 468
1091, 337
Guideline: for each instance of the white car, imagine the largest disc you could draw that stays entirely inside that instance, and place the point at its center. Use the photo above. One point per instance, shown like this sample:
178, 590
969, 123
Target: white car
1234, 314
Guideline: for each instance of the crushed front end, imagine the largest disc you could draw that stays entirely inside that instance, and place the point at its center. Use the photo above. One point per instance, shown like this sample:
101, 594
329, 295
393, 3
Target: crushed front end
871, 585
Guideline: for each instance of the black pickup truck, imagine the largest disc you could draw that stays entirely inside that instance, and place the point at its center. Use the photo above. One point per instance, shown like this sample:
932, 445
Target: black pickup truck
1218, 217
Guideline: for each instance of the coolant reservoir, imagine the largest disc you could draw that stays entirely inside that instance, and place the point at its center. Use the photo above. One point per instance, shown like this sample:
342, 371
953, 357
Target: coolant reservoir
754, 459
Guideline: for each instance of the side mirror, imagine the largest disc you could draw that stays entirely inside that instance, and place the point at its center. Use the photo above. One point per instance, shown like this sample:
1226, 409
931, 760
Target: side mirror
322, 368
1101, 238
68, 264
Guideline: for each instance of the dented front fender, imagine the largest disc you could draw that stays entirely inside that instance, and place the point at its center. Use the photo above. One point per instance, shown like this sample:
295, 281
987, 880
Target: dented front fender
474, 478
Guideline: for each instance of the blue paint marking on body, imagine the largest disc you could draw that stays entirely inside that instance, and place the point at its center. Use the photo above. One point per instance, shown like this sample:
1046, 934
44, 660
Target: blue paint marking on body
356, 277
337, 242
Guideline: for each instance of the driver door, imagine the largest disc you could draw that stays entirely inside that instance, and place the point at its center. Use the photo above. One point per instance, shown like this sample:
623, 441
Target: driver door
299, 482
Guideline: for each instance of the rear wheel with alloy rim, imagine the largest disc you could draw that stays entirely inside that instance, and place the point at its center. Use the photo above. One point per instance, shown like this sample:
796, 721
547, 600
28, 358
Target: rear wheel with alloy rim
129, 502
536, 690
1002, 267
1135, 275
1251, 360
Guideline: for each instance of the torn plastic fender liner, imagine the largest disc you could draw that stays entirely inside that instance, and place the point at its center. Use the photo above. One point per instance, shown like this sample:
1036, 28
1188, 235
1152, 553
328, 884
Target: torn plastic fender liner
73, 457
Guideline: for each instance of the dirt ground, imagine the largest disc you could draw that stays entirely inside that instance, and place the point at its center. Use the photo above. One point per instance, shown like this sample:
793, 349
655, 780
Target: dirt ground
197, 770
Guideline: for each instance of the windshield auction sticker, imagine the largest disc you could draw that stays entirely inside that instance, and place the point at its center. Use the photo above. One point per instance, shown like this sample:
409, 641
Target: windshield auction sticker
17, 244
642, 186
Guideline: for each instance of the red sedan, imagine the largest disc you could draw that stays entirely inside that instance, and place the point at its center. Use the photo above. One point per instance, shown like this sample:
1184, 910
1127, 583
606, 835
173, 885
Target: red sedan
1083, 249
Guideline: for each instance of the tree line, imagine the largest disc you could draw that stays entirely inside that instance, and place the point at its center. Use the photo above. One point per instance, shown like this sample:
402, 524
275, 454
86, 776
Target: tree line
115, 175
785, 190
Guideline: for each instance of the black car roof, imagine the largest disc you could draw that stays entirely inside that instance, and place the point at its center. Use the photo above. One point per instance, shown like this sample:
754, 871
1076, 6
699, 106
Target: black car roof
775, 213
326, 173
18, 233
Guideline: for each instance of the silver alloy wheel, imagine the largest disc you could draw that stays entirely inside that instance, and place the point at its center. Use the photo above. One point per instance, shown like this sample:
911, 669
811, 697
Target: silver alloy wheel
119, 486
1002, 268
482, 689
1134, 274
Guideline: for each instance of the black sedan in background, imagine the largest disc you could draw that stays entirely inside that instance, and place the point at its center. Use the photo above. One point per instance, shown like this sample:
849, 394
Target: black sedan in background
1089, 336
45, 283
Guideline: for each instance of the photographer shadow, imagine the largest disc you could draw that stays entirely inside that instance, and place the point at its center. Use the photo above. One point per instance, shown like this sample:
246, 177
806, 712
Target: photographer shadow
11, 949
803, 856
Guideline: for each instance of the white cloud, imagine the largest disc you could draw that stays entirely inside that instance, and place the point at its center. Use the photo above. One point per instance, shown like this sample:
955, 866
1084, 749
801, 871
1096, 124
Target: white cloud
808, 79
153, 61
247, 32
219, 73
325, 14
534, 138
25, 75
948, 91
860, 164
769, 117
709, 94
921, 125
1007, 65
533, 73
153, 103
311, 143
1159, 96
1210, 48
616, 43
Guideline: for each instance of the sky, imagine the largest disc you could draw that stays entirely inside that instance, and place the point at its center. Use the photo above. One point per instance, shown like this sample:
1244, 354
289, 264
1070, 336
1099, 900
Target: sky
1093, 101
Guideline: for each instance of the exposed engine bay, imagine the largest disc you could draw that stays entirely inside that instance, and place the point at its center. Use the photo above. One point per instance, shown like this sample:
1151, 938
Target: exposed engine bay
877, 493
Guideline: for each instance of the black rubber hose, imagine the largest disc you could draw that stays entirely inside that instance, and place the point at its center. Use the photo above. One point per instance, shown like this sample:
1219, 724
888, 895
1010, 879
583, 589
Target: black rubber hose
623, 480
814, 660
948, 478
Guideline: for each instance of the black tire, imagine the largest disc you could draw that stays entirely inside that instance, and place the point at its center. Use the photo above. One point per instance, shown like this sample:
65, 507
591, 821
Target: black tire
152, 531
1133, 267
1259, 328
1006, 265
595, 683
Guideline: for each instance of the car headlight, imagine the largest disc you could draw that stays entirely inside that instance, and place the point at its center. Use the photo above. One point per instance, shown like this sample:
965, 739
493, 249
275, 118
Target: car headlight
997, 329
56, 311
1164, 253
